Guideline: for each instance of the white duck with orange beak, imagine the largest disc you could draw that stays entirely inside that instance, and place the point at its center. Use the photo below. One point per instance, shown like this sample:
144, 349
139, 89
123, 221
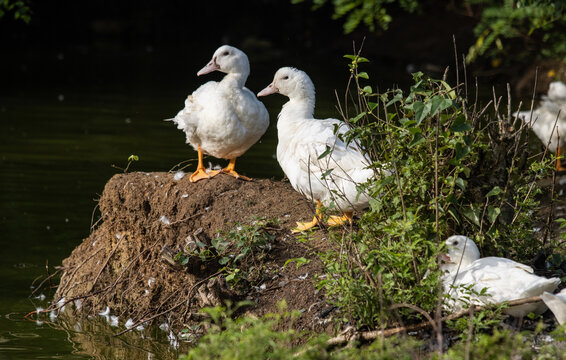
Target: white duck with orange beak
223, 119
313, 155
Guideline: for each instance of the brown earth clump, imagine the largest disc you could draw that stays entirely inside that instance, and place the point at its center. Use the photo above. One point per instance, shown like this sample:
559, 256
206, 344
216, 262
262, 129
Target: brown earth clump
147, 216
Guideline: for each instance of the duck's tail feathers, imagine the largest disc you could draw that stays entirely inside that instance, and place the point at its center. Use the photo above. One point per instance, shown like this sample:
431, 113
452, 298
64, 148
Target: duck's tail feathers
525, 115
557, 304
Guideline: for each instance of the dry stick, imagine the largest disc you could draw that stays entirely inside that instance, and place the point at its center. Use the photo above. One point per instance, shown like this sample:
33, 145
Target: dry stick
431, 322
465, 78
171, 308
554, 127
79, 266
57, 306
531, 124
48, 278
456, 58
476, 104
128, 267
92, 223
178, 165
514, 155
549, 218
106, 262
185, 219
372, 335
470, 330
438, 324
508, 102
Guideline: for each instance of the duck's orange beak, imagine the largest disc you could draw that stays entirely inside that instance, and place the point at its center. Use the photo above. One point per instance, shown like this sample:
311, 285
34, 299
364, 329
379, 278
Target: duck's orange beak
271, 89
210, 67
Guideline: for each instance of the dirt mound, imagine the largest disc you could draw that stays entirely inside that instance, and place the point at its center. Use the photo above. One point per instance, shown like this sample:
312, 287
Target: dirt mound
146, 216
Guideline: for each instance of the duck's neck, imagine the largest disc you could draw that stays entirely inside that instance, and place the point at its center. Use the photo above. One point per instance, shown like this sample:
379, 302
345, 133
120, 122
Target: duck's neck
237, 80
297, 109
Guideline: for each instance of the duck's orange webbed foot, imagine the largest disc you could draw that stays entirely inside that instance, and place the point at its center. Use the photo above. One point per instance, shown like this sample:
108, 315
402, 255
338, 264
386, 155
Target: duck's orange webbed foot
335, 220
199, 174
229, 170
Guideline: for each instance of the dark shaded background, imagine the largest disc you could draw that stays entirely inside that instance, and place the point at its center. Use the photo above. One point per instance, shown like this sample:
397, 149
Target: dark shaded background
130, 44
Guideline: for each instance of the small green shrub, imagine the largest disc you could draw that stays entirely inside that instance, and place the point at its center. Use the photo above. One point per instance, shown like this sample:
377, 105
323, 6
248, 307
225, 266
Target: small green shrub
454, 169
20, 8
239, 252
245, 337
507, 31
511, 31
272, 337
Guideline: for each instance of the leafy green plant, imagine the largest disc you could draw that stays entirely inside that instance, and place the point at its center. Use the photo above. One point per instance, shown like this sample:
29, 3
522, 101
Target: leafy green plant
507, 30
240, 251
20, 8
245, 337
518, 28
298, 261
272, 337
371, 13
452, 169
132, 158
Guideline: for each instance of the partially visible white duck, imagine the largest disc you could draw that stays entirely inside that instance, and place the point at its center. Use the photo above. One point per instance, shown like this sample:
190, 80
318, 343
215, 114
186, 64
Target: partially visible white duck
223, 119
551, 111
302, 142
557, 304
503, 279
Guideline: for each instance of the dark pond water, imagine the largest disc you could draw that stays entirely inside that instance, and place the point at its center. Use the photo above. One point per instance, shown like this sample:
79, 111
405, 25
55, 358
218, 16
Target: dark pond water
66, 117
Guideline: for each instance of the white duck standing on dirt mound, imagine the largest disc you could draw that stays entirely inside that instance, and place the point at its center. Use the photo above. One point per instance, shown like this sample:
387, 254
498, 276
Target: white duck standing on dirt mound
303, 141
503, 279
223, 119
551, 112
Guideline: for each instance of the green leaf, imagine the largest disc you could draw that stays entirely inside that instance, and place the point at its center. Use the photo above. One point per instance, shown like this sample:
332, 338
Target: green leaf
438, 103
460, 124
417, 139
325, 153
357, 117
224, 260
367, 89
461, 151
461, 183
300, 261
472, 213
495, 191
363, 75
230, 277
492, 213
133, 158
421, 110
326, 173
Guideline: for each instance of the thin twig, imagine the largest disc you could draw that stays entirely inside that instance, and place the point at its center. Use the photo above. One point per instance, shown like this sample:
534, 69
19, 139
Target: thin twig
171, 308
372, 335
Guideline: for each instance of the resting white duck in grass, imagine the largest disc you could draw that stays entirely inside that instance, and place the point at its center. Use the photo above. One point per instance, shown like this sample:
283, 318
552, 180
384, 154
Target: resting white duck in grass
551, 112
223, 119
302, 142
503, 279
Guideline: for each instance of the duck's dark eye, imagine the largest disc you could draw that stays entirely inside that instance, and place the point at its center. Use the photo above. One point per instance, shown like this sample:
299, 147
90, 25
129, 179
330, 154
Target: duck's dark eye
285, 77
226, 53
455, 243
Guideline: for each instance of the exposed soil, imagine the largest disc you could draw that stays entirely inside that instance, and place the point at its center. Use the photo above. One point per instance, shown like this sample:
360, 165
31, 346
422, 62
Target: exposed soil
121, 264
